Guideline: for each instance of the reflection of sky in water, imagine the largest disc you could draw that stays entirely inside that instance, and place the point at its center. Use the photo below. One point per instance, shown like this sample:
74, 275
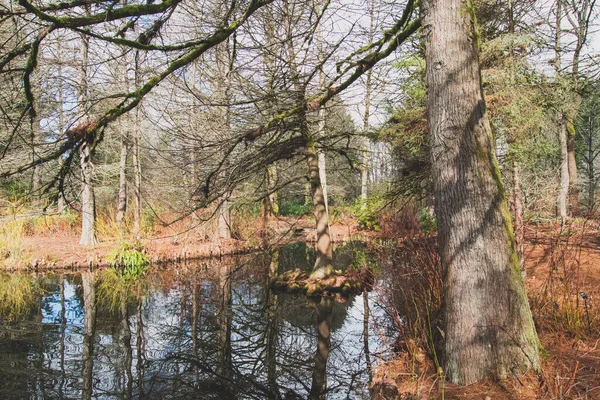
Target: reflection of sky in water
163, 359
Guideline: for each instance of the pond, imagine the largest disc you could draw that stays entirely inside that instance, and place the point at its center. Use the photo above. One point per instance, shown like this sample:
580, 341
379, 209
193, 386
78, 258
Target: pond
210, 330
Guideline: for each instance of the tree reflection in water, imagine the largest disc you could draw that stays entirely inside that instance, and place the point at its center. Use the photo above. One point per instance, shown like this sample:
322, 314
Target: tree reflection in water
214, 331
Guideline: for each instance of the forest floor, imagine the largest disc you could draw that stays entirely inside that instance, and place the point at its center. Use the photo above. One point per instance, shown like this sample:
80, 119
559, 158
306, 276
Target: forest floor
561, 262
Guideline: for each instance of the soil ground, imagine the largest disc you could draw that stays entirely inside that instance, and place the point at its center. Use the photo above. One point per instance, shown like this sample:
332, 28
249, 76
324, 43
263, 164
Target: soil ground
61, 249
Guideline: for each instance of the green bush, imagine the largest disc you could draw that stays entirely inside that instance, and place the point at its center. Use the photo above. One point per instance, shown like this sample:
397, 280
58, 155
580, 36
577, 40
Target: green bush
368, 217
294, 208
428, 223
130, 261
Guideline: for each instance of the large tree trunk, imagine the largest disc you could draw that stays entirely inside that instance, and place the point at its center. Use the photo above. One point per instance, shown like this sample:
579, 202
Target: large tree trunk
489, 326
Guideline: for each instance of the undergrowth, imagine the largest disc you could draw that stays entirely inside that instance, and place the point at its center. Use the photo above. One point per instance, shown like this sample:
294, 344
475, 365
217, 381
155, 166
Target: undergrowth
130, 261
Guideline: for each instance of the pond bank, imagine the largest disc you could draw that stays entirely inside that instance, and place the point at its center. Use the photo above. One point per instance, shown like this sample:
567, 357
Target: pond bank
61, 250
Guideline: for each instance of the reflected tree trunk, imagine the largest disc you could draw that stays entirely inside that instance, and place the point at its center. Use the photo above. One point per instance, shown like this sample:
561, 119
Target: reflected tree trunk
63, 328
319, 375
126, 346
272, 329
196, 310
224, 317
89, 328
140, 348
366, 316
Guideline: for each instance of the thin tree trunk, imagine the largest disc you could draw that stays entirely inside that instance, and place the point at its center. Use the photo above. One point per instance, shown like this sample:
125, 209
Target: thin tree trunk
519, 225
489, 326
322, 116
323, 177
323, 265
60, 206
88, 201
222, 88
364, 167
564, 173
573, 188
136, 157
122, 206
35, 138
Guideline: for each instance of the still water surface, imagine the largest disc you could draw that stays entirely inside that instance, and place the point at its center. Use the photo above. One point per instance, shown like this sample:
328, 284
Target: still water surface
211, 330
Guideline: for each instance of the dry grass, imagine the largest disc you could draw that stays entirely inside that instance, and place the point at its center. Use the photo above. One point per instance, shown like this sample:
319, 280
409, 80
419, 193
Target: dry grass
563, 261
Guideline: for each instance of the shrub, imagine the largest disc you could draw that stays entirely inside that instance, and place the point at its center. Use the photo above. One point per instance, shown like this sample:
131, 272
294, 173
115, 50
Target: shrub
130, 261
368, 217
294, 208
427, 220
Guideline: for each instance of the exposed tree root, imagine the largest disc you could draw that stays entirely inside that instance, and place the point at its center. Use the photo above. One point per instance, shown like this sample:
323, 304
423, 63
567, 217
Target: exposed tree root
351, 282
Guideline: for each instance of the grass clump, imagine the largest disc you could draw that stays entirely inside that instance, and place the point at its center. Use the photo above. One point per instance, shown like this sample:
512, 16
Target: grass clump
18, 294
130, 261
12, 234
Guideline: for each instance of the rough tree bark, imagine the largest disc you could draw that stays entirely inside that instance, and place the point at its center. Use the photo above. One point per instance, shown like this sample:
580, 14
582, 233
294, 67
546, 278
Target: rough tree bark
489, 326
